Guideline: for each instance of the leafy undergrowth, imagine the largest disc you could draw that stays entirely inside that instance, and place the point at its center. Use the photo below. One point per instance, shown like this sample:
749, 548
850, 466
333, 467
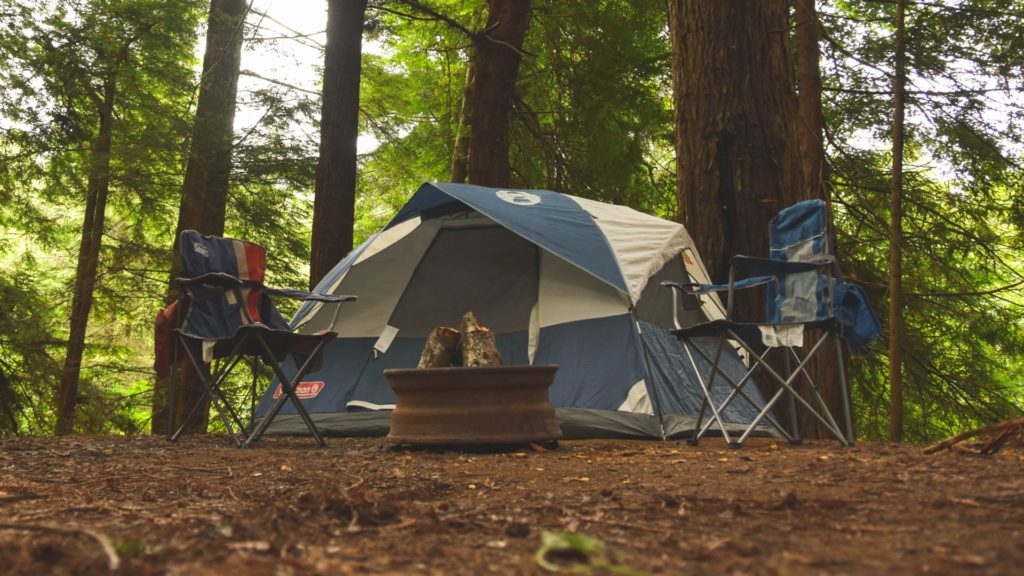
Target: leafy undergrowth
99, 505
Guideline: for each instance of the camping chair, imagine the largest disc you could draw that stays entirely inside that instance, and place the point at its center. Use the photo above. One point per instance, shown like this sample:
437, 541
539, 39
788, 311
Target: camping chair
805, 293
226, 313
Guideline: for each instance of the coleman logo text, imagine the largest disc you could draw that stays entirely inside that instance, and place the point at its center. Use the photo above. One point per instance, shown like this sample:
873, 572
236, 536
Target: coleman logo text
304, 390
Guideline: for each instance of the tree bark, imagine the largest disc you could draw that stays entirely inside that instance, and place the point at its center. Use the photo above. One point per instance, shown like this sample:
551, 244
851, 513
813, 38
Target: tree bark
207, 175
808, 80
896, 326
460, 155
439, 350
498, 53
736, 117
479, 346
334, 204
97, 190
823, 368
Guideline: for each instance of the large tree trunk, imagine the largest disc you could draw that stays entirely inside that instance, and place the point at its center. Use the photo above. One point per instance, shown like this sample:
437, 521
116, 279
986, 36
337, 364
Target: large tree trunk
823, 368
334, 204
896, 327
736, 117
97, 190
205, 188
498, 53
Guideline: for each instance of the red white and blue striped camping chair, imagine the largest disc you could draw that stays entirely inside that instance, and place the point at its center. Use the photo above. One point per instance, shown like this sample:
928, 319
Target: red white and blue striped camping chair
226, 312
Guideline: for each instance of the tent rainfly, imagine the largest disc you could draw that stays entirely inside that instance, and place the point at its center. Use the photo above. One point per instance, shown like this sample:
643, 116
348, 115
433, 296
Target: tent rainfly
559, 279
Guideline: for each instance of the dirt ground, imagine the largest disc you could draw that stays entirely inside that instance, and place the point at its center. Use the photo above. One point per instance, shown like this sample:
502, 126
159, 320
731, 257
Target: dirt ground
138, 505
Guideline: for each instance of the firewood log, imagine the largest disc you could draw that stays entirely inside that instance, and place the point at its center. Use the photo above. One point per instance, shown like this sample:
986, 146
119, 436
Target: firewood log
440, 348
479, 347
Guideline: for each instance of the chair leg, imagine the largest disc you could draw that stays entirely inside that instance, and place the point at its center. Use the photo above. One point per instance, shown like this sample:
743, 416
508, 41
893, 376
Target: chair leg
706, 387
737, 391
288, 386
212, 390
786, 386
794, 423
844, 389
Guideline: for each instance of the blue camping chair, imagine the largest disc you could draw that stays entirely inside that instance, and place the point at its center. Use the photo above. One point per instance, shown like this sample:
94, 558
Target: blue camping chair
805, 292
226, 312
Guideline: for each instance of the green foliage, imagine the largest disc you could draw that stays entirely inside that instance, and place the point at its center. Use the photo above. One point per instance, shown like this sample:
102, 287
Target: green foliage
962, 269
58, 56
29, 352
595, 119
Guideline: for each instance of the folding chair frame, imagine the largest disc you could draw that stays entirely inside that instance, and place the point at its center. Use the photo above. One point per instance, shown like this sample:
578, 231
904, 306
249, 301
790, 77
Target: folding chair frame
726, 330
250, 332
759, 361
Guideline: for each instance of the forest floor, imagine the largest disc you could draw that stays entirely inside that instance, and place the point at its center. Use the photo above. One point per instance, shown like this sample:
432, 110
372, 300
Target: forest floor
138, 505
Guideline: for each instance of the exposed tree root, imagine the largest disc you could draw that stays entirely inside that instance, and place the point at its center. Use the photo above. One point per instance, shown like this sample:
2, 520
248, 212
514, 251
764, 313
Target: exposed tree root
1002, 432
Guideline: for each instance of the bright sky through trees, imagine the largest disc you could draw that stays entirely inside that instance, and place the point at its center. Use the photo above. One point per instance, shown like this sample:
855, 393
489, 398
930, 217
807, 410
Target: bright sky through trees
284, 48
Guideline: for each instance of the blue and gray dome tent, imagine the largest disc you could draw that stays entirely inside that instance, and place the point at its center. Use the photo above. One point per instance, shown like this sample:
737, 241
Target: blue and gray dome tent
559, 279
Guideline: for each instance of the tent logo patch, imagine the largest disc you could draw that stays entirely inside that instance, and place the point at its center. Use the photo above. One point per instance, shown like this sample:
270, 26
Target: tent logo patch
518, 198
304, 390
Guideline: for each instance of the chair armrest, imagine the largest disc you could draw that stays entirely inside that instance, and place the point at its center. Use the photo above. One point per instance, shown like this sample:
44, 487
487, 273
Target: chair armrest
690, 288
303, 295
747, 265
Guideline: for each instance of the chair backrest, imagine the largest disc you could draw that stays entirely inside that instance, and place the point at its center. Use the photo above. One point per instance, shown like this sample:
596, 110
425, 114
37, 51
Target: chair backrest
799, 233
215, 313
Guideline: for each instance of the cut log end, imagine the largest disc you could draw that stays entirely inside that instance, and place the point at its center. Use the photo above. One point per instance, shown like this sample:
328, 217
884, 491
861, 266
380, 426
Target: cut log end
440, 348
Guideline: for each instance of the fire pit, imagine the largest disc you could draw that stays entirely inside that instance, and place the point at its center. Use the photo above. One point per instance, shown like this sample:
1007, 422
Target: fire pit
478, 405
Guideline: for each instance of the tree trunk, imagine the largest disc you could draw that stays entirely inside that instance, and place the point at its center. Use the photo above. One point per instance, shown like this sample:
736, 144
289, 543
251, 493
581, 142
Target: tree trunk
460, 155
205, 188
808, 79
498, 53
823, 368
896, 327
736, 117
334, 204
97, 190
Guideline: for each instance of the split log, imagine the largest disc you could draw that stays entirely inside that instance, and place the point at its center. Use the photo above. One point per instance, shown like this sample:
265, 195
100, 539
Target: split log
479, 347
440, 348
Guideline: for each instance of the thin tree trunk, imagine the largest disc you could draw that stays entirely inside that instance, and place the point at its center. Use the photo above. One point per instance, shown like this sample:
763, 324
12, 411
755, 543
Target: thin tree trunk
498, 53
808, 79
334, 204
896, 326
97, 190
207, 174
205, 188
460, 155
